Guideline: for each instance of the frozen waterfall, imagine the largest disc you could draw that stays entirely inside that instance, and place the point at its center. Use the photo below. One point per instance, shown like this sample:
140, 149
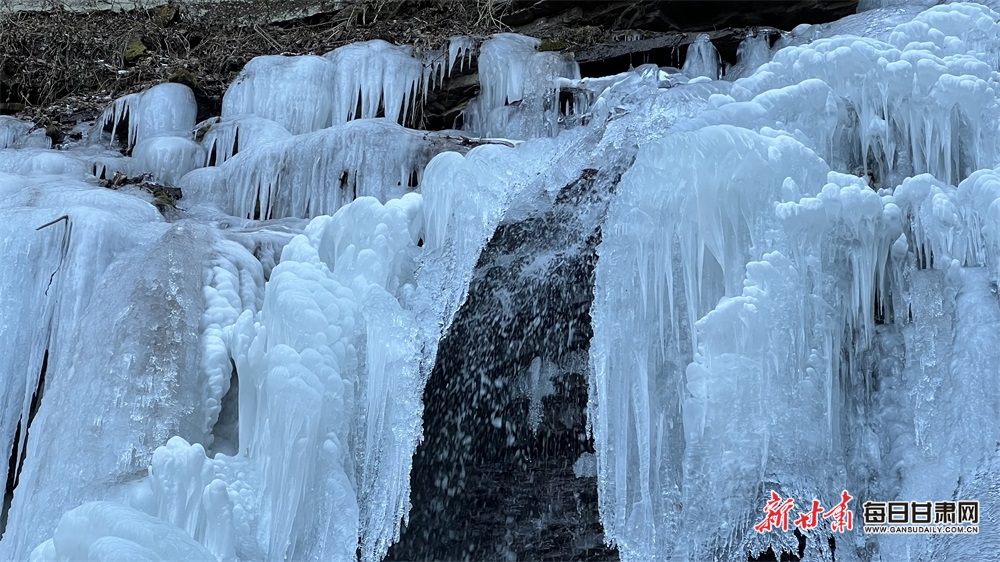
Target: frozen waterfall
790, 264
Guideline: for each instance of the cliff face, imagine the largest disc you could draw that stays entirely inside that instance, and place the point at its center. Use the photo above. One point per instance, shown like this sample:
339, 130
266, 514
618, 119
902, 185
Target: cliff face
81, 53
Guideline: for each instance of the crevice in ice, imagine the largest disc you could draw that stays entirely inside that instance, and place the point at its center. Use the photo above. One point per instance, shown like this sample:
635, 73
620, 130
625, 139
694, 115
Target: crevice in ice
225, 431
19, 447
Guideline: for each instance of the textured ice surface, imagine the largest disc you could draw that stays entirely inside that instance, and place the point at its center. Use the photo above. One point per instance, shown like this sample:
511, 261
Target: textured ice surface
519, 98
163, 110
795, 291
150, 365
702, 59
749, 302
307, 93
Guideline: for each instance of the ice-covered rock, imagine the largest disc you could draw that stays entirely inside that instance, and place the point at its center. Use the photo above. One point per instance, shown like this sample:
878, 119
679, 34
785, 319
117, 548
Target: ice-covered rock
163, 110
702, 59
111, 531
795, 292
316, 173
519, 97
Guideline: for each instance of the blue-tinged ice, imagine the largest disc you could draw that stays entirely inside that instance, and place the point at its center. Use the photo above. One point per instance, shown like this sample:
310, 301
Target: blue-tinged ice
702, 59
315, 173
795, 291
519, 97
162, 111
753, 52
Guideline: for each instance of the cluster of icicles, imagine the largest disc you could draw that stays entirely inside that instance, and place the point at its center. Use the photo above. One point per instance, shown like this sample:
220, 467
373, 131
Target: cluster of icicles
244, 380
261, 398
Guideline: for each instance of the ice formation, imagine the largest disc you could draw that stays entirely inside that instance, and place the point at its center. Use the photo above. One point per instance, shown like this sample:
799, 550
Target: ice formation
356, 81
21, 134
702, 59
225, 138
164, 110
312, 174
754, 51
331, 410
727, 405
795, 291
110, 531
519, 97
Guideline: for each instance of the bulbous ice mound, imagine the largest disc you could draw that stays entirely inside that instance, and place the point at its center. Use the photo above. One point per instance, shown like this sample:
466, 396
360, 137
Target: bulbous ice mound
308, 93
163, 110
111, 531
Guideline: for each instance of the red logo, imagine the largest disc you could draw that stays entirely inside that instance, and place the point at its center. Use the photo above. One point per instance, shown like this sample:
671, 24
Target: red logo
777, 509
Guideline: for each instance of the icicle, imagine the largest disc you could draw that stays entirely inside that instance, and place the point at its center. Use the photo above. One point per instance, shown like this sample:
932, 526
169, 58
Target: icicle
163, 110
307, 93
518, 98
914, 78
702, 59
378, 74
317, 173
460, 47
754, 51
299, 93
227, 137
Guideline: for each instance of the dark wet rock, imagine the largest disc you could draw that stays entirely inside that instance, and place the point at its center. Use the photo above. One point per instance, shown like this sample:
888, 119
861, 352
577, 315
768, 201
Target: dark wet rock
486, 485
678, 15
